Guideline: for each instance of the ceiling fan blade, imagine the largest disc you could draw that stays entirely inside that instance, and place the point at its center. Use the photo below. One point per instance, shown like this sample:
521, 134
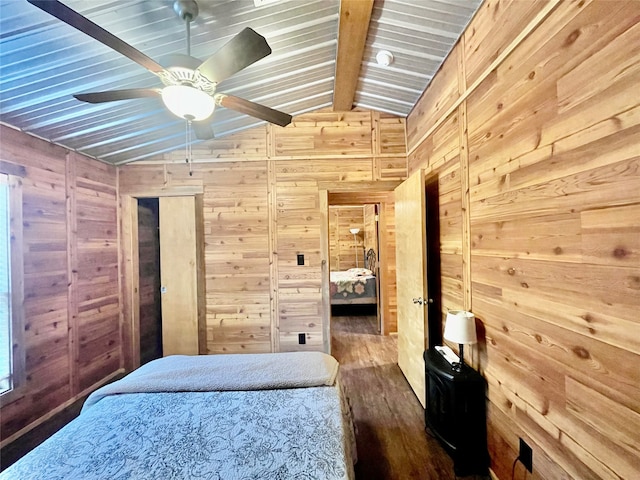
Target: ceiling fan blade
86, 26
245, 48
254, 109
115, 95
203, 130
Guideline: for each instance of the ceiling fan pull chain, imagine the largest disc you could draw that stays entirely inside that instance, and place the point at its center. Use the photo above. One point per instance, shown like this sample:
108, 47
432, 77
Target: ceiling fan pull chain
188, 148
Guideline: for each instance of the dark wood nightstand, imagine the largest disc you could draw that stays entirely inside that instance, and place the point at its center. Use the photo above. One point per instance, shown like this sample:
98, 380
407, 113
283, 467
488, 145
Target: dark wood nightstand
456, 413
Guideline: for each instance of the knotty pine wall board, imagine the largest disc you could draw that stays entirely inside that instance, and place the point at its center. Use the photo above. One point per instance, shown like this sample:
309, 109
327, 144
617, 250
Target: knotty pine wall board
236, 229
70, 263
96, 250
261, 211
553, 134
443, 91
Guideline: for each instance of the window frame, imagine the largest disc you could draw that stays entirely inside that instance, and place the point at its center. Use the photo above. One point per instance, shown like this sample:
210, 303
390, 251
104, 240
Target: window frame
16, 279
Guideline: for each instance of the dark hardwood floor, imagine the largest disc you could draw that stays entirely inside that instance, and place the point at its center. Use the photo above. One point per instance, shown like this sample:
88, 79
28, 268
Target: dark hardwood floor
392, 443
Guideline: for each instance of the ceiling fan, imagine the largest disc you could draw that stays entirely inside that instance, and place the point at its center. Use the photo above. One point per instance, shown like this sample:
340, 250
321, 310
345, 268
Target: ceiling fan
189, 89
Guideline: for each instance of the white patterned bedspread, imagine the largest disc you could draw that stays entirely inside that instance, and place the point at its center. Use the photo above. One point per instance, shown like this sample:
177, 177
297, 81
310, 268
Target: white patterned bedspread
289, 433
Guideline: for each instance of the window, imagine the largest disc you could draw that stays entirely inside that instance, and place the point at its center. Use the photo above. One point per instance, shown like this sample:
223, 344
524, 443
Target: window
11, 348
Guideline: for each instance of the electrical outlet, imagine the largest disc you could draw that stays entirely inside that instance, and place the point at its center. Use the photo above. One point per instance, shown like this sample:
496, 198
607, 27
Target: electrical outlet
526, 455
300, 259
302, 339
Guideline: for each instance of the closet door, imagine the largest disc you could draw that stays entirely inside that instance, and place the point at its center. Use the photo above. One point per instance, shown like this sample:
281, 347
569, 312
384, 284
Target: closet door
411, 280
180, 276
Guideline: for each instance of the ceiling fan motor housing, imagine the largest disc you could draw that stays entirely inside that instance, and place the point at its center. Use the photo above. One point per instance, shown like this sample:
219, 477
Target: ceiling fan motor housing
187, 10
182, 70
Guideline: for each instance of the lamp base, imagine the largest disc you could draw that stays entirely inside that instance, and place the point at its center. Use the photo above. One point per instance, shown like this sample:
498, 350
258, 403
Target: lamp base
459, 366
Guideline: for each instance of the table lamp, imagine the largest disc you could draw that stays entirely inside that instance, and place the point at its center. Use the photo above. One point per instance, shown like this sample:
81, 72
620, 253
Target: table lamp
460, 328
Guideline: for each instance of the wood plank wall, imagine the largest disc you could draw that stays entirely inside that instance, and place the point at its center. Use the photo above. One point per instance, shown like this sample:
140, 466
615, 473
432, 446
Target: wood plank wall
532, 128
342, 245
261, 209
71, 292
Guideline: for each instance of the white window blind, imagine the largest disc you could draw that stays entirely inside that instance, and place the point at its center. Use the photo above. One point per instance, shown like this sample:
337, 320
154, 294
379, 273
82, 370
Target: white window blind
5, 289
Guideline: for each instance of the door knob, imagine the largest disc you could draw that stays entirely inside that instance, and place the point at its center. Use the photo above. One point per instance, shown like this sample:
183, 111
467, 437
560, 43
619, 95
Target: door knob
418, 300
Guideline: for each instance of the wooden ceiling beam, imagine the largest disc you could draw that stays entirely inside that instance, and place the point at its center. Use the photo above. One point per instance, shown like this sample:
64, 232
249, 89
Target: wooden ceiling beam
355, 16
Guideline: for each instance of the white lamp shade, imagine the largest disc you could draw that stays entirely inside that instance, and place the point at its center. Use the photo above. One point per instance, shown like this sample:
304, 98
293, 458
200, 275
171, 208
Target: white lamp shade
460, 327
355, 231
188, 102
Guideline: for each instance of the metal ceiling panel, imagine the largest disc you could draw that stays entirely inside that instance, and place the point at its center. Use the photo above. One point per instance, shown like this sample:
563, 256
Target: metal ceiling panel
420, 34
43, 62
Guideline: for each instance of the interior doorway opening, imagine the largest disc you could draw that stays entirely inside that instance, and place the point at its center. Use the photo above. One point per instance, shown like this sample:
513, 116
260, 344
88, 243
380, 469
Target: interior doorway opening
354, 262
433, 274
149, 280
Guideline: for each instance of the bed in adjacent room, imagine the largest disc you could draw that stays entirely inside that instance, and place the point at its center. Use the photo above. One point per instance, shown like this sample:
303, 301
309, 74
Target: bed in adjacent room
251, 416
355, 286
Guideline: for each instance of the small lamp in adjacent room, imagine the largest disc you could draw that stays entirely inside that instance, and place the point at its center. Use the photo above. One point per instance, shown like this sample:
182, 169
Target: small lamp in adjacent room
355, 232
460, 328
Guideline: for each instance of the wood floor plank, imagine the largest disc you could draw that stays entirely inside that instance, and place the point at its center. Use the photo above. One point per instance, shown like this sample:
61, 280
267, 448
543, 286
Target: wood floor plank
392, 443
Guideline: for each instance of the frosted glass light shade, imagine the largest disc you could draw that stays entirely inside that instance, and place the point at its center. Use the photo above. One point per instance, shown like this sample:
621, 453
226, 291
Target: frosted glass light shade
355, 231
460, 327
188, 102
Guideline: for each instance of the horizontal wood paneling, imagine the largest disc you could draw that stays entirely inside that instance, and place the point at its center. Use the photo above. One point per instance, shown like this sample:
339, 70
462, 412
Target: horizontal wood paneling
443, 91
257, 297
324, 134
70, 262
553, 141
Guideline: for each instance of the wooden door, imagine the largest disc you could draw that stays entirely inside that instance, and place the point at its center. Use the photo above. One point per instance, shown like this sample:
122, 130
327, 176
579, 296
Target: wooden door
179, 275
411, 270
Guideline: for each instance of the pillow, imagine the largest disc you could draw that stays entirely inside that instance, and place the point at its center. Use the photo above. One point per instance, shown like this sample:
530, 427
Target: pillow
360, 272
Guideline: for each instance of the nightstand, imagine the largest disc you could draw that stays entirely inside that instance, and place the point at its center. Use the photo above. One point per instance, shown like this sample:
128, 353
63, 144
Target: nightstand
456, 413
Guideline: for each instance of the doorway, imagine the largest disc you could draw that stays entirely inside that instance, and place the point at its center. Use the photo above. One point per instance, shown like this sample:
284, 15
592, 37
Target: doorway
353, 264
434, 277
149, 278
180, 241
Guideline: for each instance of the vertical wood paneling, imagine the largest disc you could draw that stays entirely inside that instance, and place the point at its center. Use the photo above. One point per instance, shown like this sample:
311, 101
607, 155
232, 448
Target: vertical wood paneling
554, 219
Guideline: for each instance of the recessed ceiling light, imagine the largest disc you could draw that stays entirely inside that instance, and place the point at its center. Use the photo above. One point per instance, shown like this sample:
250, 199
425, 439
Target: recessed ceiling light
384, 58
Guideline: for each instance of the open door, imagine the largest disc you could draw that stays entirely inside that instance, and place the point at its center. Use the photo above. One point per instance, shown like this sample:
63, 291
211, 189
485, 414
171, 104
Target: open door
411, 280
182, 276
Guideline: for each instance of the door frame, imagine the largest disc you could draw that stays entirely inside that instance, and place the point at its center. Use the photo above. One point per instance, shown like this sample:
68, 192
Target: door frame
130, 268
352, 193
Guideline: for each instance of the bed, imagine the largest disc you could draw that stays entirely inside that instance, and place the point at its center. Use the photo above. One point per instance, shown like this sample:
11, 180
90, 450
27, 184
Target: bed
246, 416
355, 286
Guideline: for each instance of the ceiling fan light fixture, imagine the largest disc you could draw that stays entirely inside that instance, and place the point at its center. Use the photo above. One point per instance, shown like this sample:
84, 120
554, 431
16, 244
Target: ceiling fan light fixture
188, 102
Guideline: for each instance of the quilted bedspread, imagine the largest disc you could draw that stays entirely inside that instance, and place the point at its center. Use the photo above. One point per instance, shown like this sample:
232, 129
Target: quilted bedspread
286, 433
